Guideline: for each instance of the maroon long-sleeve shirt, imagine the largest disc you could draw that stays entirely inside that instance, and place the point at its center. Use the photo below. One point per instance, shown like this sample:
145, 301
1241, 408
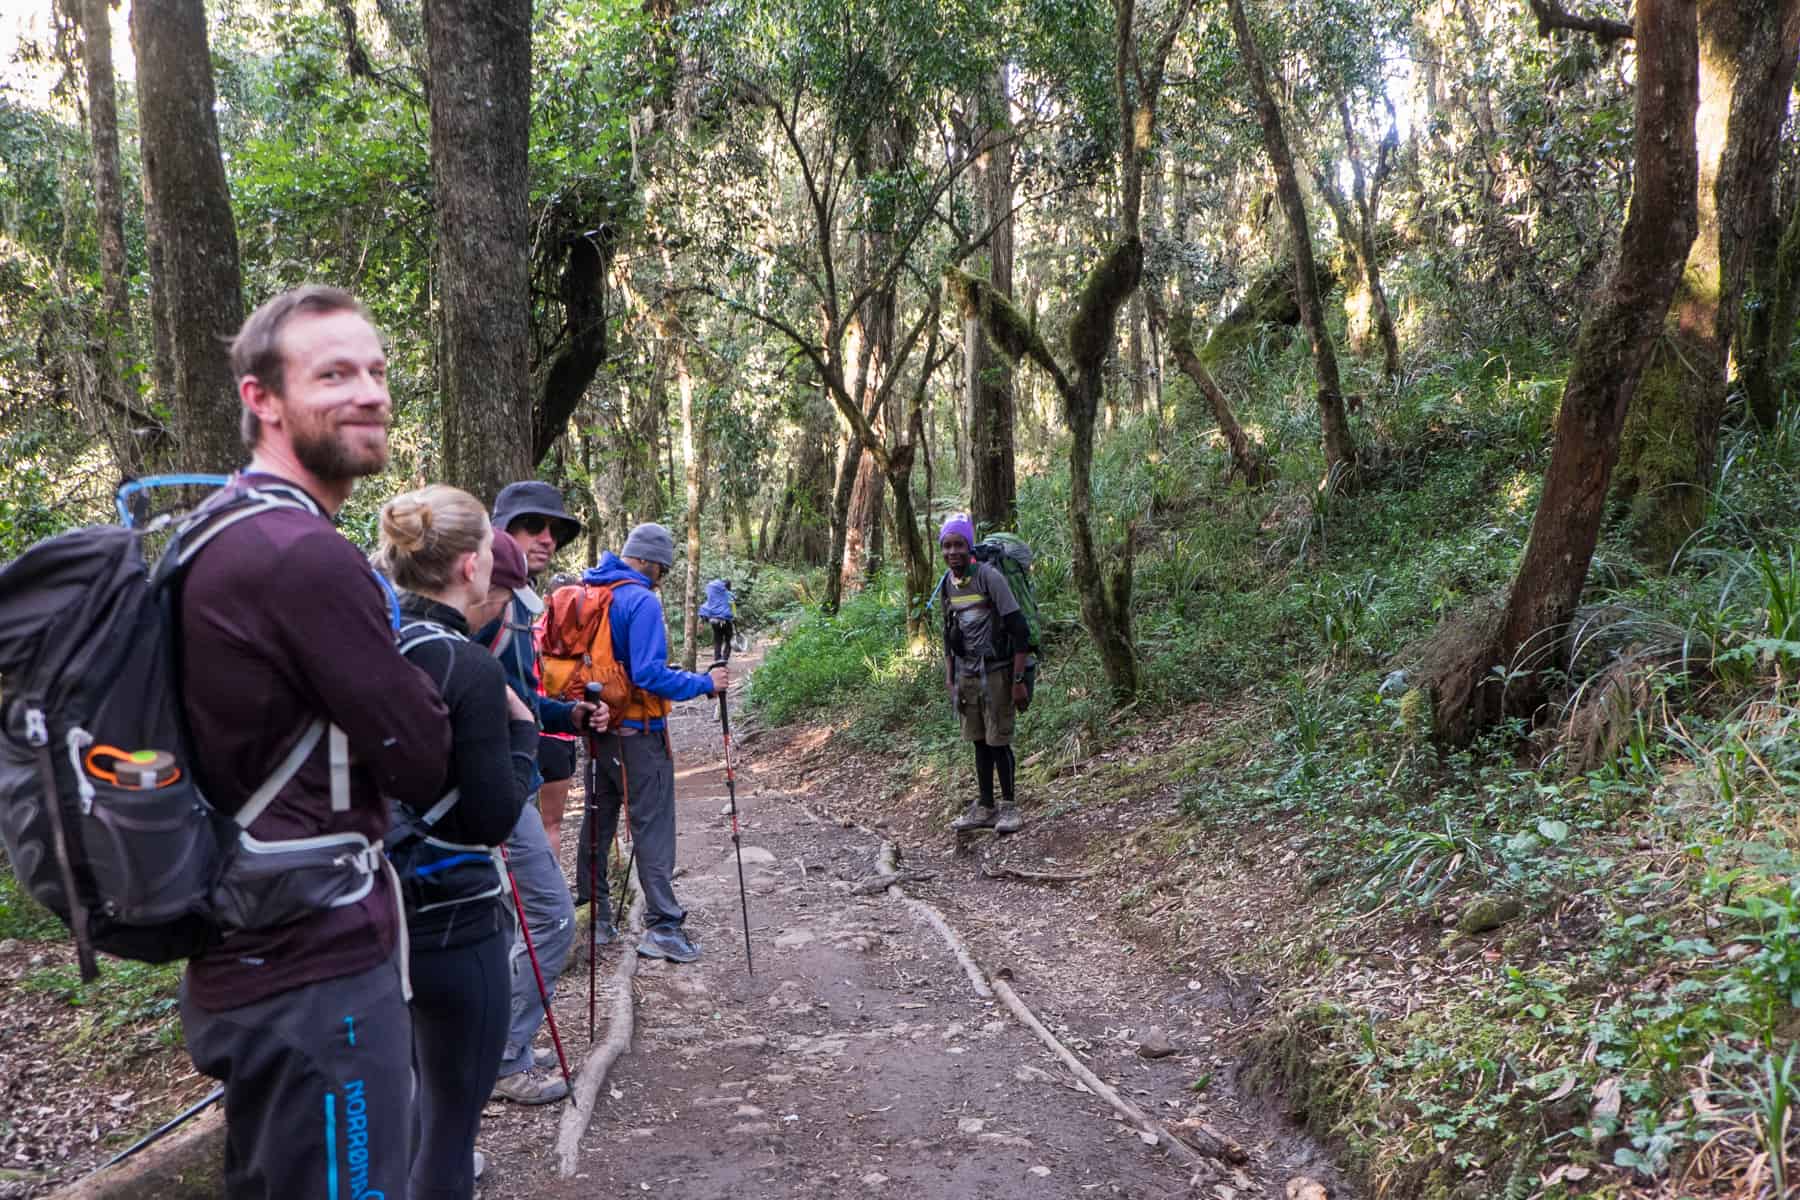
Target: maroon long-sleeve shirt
281, 624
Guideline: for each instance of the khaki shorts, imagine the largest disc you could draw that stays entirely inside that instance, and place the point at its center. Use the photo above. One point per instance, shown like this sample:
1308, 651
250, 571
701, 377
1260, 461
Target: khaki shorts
986, 705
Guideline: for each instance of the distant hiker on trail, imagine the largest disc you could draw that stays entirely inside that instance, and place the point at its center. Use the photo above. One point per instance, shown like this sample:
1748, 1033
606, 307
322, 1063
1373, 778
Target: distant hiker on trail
437, 545
286, 643
986, 652
534, 515
543, 892
721, 609
639, 738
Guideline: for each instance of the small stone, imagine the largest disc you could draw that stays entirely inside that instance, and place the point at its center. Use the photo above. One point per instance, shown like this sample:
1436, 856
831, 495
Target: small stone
640, 1134
1155, 1043
874, 1179
1011, 1141
953, 1031
748, 1110
1302, 1188
1041, 1171
778, 1079
1031, 1075
9, 946
971, 1125
795, 937
993, 1027
752, 1128
1488, 912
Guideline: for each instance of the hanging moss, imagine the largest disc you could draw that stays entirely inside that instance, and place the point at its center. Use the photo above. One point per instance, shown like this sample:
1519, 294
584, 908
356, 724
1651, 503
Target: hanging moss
1108, 286
1269, 302
1005, 326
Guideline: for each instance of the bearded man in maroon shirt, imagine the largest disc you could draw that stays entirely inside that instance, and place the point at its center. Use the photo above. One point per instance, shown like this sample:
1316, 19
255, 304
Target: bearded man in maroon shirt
290, 678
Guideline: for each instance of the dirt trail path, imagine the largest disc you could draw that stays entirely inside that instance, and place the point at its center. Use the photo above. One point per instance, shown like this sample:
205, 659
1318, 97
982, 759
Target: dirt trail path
857, 1060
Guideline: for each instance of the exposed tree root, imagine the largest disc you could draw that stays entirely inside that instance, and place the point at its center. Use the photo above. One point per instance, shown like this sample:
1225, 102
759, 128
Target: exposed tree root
1203, 1144
1002, 871
592, 1076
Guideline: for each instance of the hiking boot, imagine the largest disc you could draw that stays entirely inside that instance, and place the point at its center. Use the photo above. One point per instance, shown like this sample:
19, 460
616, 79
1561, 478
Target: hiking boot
1008, 820
605, 934
524, 1087
672, 944
544, 1057
979, 816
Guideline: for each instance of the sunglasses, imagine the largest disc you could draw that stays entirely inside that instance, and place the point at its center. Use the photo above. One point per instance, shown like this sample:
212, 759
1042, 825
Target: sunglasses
532, 524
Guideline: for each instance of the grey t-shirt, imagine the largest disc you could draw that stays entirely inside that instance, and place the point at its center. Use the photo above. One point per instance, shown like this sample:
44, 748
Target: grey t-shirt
978, 605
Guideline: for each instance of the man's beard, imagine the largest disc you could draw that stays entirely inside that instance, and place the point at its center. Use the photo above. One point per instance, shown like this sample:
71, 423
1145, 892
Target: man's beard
325, 454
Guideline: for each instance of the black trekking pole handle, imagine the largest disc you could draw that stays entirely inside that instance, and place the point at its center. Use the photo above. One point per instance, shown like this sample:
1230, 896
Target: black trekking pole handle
737, 844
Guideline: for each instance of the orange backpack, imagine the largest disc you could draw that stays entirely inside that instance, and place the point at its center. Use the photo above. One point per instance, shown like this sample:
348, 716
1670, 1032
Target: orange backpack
576, 644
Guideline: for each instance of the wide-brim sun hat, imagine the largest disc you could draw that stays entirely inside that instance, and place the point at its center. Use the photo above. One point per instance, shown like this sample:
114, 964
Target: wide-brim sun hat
534, 498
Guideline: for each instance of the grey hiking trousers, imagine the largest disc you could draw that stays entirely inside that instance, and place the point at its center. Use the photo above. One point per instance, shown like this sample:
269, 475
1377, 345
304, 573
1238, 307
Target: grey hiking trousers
550, 914
642, 765
318, 1087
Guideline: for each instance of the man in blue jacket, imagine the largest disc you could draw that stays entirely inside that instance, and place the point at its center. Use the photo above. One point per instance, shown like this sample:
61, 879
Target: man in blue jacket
637, 743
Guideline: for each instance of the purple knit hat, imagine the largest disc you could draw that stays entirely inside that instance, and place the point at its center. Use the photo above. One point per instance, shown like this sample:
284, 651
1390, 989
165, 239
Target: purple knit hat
960, 525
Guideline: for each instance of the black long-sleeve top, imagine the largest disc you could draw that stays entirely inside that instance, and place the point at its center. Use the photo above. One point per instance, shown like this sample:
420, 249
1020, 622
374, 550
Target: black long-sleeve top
492, 758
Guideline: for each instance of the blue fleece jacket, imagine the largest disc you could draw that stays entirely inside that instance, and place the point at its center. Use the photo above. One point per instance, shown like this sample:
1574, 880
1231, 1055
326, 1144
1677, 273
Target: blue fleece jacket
639, 639
720, 605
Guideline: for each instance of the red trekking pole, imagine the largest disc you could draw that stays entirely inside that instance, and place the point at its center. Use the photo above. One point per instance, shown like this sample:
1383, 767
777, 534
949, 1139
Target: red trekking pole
543, 993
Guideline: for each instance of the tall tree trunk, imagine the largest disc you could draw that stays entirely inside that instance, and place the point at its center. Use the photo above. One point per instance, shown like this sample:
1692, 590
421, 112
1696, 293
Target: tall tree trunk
197, 290
1670, 444
693, 454
480, 56
988, 383
1340, 447
1615, 344
136, 438
840, 522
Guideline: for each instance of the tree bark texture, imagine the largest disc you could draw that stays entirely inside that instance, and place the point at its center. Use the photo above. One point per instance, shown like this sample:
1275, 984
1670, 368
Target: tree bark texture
197, 288
480, 57
993, 486
1340, 447
803, 533
1669, 448
136, 437
1614, 346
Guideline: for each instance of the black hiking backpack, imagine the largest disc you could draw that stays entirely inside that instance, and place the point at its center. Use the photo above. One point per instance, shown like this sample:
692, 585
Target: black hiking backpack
101, 813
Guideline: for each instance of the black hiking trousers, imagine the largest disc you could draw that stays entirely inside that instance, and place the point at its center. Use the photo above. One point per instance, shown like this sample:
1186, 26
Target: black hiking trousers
318, 1087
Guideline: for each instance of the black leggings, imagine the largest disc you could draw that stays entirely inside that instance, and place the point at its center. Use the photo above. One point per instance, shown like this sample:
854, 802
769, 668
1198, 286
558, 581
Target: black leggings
988, 761
721, 641
462, 1001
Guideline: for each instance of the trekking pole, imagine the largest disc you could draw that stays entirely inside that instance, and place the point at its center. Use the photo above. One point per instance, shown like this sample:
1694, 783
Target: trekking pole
538, 972
168, 1127
736, 843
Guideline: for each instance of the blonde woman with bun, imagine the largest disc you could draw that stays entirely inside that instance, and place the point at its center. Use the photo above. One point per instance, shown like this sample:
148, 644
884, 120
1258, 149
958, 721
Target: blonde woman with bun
437, 547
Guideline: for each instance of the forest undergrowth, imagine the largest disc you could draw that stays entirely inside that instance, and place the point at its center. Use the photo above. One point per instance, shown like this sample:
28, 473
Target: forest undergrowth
1562, 962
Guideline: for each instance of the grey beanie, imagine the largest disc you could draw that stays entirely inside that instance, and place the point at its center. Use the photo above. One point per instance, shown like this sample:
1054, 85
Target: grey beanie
652, 543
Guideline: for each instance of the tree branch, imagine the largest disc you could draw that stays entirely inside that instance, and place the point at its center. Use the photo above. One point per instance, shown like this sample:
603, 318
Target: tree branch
1551, 16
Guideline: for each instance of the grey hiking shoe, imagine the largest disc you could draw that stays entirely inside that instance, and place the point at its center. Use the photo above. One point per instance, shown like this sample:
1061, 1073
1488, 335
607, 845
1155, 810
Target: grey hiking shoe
525, 1088
672, 944
1008, 820
543, 1057
605, 934
979, 816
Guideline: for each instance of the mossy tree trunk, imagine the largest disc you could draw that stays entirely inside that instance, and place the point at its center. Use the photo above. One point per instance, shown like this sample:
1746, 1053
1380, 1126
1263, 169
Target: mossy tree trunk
1669, 450
1248, 459
1529, 640
1340, 447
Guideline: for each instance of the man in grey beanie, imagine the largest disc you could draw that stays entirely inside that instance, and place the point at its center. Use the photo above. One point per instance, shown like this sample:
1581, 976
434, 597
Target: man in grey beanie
635, 751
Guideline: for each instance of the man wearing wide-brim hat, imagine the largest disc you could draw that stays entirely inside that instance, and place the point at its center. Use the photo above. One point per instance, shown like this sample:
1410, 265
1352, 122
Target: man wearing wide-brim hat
537, 524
